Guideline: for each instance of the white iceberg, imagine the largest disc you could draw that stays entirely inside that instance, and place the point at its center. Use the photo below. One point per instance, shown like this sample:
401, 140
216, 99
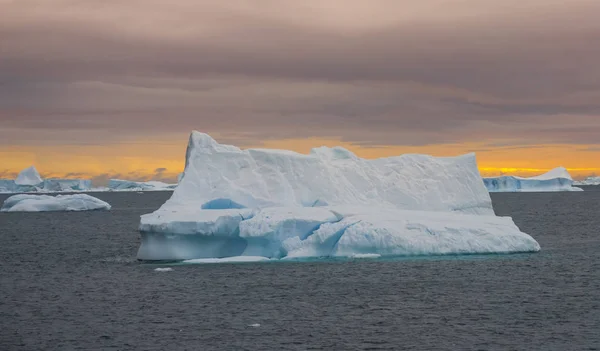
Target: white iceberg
279, 204
130, 185
29, 180
59, 185
587, 181
557, 179
41, 203
29, 177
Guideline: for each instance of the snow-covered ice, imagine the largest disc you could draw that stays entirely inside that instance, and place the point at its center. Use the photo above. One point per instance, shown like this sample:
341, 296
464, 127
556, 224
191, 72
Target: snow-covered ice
30, 181
365, 256
557, 179
130, 185
58, 185
41, 203
586, 181
163, 269
281, 204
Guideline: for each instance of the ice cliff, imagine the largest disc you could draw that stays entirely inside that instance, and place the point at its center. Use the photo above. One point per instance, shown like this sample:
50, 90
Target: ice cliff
281, 204
557, 179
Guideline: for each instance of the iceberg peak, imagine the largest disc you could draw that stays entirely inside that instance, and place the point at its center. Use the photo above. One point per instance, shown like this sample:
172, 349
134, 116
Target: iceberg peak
29, 176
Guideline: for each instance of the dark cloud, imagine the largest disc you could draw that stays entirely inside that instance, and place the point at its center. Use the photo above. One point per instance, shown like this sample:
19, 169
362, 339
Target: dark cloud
386, 72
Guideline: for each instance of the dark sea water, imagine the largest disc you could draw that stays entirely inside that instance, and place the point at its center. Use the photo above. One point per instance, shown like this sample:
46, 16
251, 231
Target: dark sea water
70, 281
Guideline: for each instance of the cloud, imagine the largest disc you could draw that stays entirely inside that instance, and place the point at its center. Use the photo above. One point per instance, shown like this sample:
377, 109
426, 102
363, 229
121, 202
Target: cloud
383, 72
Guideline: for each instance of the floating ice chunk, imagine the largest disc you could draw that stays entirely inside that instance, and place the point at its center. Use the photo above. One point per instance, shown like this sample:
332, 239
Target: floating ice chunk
163, 269
366, 255
233, 259
40, 203
254, 325
29, 177
557, 179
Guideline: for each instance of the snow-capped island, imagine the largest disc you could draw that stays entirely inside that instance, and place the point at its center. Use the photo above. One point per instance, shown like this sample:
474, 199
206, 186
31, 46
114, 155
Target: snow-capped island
557, 179
279, 204
42, 203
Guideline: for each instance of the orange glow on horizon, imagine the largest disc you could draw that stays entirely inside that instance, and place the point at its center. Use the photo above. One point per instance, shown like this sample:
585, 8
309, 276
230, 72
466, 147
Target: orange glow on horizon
144, 160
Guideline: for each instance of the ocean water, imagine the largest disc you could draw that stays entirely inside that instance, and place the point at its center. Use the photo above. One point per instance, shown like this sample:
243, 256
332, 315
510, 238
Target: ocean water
70, 281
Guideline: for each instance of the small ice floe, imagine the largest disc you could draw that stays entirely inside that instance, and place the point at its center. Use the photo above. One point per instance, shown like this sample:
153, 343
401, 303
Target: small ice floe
163, 269
233, 259
370, 255
254, 325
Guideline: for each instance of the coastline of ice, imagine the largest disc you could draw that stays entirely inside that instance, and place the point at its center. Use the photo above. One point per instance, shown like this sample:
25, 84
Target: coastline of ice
42, 203
557, 179
278, 204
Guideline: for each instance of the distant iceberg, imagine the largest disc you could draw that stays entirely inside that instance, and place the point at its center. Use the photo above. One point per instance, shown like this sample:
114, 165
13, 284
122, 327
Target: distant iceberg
557, 179
279, 204
587, 181
30, 181
7, 186
58, 185
41, 203
129, 185
29, 177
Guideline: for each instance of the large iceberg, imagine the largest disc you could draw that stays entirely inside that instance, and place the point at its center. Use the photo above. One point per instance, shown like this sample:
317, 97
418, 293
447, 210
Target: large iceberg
130, 185
588, 181
557, 179
40, 203
281, 204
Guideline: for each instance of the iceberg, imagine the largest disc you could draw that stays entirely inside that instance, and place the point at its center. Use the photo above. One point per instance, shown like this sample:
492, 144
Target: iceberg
58, 185
557, 179
258, 204
41, 203
7, 186
29, 180
29, 177
129, 185
587, 181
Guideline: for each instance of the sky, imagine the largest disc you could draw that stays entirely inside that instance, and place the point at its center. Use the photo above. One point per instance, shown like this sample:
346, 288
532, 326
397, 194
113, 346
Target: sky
111, 89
